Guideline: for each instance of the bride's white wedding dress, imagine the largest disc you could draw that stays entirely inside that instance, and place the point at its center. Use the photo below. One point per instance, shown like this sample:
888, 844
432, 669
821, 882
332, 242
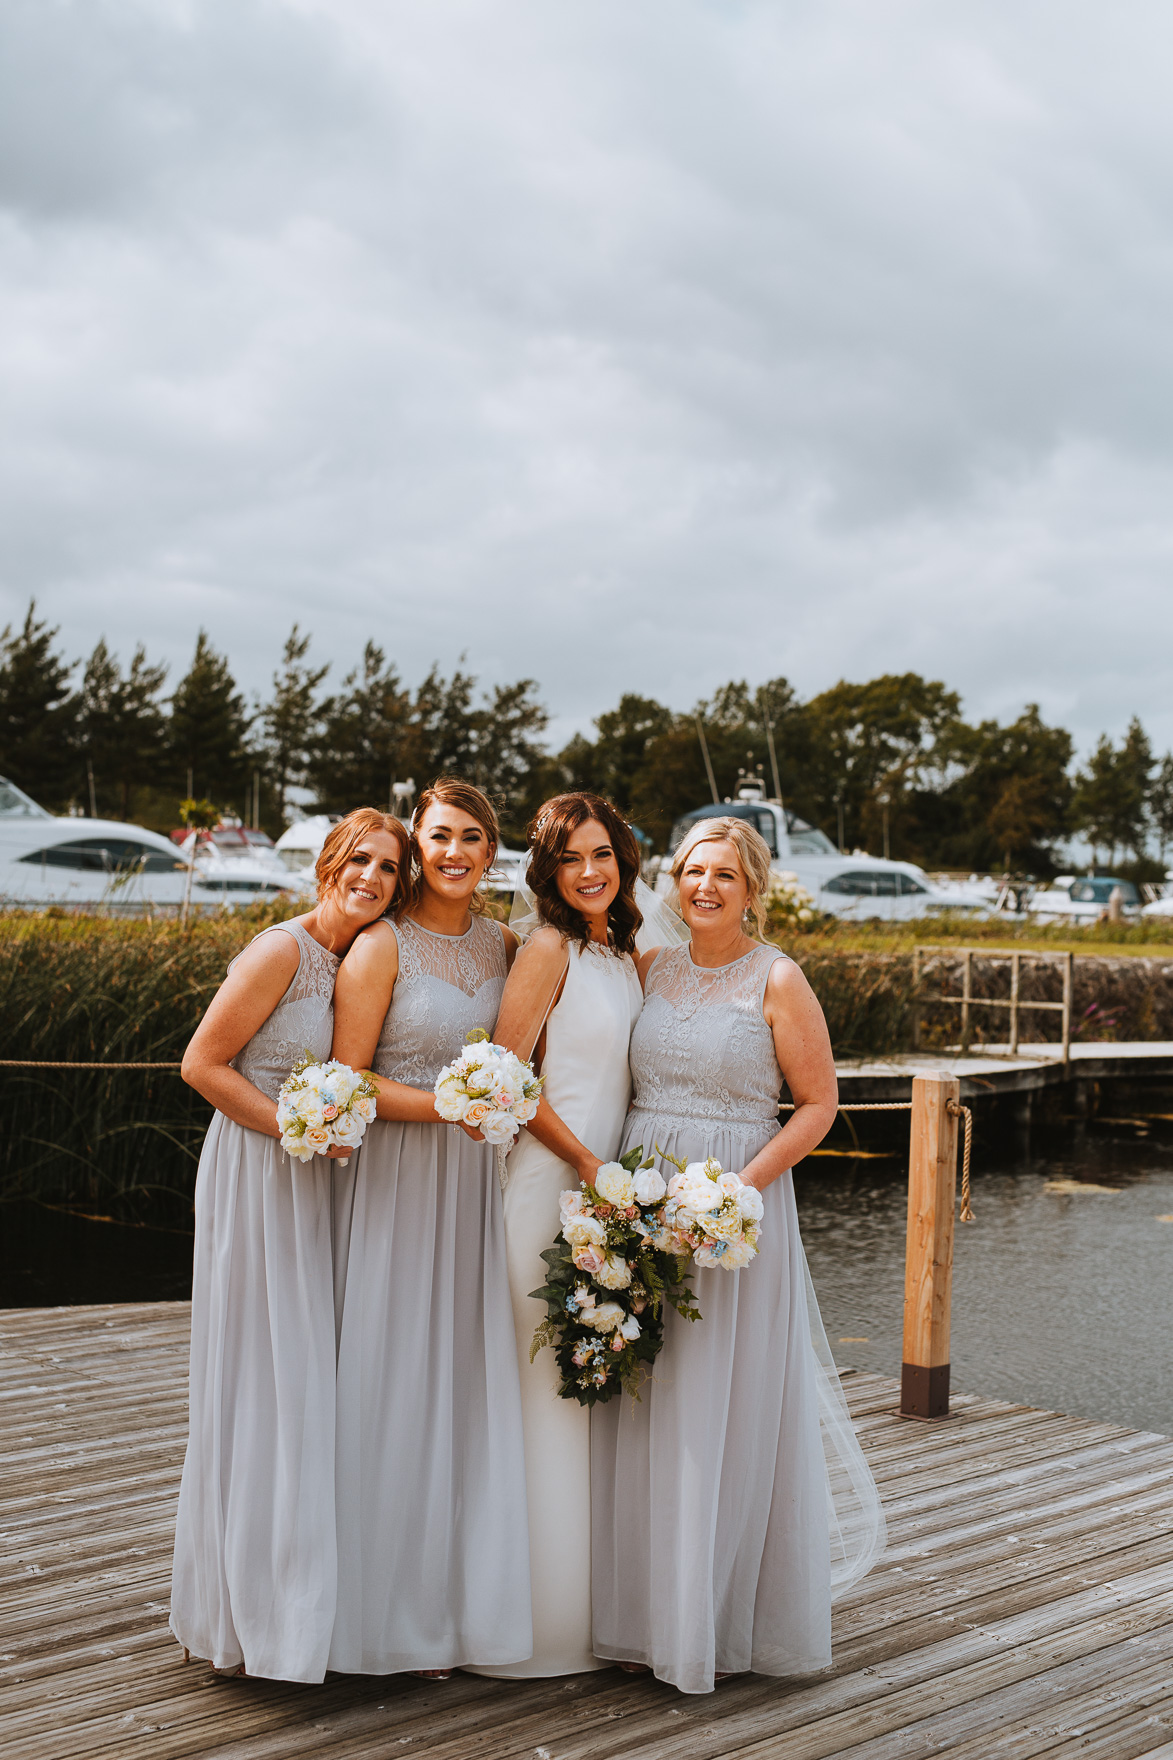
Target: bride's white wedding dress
588, 1083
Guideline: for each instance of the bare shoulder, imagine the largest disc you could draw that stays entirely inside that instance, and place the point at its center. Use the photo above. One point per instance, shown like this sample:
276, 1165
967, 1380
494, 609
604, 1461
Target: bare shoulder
375, 948
510, 941
643, 964
545, 950
275, 953
787, 989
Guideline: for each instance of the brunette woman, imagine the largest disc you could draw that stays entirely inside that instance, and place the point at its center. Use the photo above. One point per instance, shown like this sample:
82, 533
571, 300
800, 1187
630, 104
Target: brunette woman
433, 1562
574, 993
733, 1502
255, 1559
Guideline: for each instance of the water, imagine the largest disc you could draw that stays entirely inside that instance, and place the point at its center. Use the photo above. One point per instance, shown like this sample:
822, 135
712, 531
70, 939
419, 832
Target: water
1061, 1300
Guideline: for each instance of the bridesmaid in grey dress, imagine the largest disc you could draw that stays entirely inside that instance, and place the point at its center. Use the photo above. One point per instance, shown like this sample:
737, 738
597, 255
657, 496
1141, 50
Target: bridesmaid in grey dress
733, 1502
432, 1533
255, 1560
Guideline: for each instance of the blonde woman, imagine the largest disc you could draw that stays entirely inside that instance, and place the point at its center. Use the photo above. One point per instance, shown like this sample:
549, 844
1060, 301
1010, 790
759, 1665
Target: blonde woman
255, 1575
714, 1551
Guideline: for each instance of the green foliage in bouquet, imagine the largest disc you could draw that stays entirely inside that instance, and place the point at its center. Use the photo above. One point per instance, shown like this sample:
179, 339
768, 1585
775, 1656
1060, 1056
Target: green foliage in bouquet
605, 1292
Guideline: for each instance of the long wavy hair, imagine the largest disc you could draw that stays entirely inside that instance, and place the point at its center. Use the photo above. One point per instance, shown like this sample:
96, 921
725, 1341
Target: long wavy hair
344, 838
450, 791
547, 835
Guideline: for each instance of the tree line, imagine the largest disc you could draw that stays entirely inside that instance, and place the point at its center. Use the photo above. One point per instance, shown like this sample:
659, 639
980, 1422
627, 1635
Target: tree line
890, 764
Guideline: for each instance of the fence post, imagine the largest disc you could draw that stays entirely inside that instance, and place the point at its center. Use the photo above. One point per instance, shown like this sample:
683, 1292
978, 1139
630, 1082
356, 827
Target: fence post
1068, 987
928, 1263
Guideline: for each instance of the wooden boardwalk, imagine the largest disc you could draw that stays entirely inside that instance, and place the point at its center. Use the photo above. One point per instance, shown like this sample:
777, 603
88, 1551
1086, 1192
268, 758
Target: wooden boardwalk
1024, 1607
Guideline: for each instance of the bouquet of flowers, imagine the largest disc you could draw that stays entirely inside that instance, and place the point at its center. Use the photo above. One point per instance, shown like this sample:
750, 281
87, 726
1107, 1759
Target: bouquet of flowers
324, 1106
624, 1249
610, 1271
489, 1088
711, 1214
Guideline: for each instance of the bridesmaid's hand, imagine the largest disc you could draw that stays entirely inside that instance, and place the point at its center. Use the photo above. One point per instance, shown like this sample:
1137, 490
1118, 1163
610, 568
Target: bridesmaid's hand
471, 1131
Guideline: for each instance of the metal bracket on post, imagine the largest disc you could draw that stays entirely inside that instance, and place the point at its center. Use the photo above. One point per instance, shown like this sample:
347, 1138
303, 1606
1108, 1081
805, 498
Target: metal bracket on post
928, 1264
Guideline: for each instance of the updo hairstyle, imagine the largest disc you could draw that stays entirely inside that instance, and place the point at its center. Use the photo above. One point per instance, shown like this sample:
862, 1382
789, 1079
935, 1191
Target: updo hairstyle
450, 791
547, 835
753, 853
344, 838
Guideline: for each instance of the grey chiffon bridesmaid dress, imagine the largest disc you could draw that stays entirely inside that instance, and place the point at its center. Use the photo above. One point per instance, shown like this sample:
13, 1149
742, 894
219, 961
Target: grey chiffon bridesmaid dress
431, 1494
732, 1503
255, 1567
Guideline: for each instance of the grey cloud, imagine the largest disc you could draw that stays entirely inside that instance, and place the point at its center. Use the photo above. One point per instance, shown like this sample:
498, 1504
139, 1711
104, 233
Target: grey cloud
632, 348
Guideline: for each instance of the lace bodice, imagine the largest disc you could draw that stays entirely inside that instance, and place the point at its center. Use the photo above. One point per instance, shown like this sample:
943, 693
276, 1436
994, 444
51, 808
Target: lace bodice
701, 1047
302, 1021
447, 985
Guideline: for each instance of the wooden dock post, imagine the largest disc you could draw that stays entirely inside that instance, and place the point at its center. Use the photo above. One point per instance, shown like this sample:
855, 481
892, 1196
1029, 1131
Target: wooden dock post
928, 1263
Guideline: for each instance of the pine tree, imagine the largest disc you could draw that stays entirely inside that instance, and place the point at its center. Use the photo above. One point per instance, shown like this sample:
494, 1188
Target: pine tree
362, 749
1112, 791
37, 714
290, 718
1161, 803
208, 733
120, 731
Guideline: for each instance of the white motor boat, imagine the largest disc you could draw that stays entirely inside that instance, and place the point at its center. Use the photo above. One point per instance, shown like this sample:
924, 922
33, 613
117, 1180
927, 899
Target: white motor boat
236, 866
857, 885
45, 860
1080, 900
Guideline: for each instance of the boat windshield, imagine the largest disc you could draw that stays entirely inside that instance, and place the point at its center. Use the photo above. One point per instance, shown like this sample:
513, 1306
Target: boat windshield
15, 803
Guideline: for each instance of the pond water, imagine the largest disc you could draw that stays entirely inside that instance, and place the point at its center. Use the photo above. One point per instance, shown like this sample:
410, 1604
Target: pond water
1060, 1299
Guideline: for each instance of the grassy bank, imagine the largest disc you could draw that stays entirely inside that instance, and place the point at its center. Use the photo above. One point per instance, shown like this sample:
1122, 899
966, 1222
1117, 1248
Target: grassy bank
122, 1143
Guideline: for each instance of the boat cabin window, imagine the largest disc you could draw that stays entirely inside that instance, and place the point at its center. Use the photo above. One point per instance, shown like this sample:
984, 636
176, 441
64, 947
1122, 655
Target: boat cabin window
1099, 891
215, 884
760, 818
865, 883
15, 804
907, 887
105, 855
806, 841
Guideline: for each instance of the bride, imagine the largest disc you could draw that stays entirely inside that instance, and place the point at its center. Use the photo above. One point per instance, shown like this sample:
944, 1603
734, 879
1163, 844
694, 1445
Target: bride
573, 996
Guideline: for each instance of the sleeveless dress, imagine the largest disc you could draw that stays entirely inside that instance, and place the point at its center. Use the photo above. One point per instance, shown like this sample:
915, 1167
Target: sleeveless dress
255, 1559
432, 1558
733, 1502
588, 1083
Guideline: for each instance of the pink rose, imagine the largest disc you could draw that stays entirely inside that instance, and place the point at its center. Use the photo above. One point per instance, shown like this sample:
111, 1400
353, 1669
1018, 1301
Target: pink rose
329, 1112
590, 1259
618, 1342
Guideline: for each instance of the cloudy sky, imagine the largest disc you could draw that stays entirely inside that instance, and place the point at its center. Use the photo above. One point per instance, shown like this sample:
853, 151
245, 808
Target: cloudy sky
628, 346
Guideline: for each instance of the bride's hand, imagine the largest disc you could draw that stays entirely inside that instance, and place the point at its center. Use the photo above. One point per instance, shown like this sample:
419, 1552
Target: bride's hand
587, 1167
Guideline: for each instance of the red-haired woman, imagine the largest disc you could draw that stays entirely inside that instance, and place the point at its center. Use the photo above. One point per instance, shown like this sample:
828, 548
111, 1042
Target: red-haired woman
574, 993
255, 1555
433, 1569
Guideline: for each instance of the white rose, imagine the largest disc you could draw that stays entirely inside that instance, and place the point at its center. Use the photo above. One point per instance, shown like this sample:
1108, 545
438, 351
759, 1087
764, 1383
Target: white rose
630, 1327
499, 1127
614, 1185
607, 1317
316, 1138
649, 1185
364, 1107
614, 1273
584, 1231
478, 1082
749, 1202
347, 1130
571, 1204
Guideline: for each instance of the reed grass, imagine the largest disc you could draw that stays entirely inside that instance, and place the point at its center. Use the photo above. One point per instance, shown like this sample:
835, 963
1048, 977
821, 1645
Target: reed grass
89, 989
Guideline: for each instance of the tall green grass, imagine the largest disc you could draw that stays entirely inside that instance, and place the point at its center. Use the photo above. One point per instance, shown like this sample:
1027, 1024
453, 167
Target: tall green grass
88, 989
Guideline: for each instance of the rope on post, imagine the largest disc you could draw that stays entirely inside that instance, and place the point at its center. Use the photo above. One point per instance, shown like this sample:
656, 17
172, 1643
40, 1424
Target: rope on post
959, 1111
24, 1063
